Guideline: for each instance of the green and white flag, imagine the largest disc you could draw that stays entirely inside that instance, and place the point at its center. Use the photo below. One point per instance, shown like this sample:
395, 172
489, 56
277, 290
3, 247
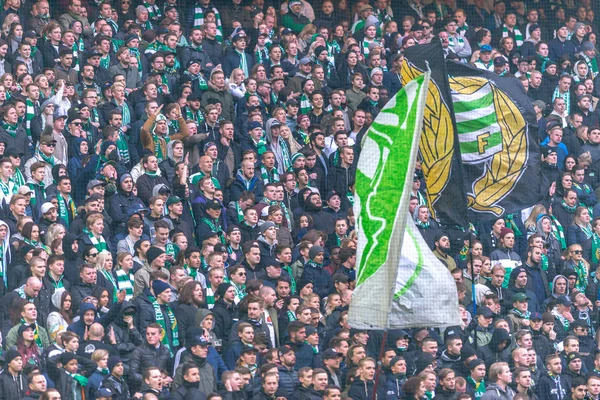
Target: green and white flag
477, 125
394, 285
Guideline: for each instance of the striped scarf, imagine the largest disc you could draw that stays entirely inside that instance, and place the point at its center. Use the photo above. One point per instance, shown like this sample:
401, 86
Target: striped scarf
305, 106
29, 115
582, 276
517, 34
565, 96
199, 20
33, 186
125, 282
558, 232
210, 298
199, 79
99, 244
154, 13
285, 153
268, 177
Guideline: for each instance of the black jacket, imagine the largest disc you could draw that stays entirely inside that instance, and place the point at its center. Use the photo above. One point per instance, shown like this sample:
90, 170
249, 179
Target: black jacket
63, 382
147, 356
225, 315
188, 392
117, 386
12, 387
146, 183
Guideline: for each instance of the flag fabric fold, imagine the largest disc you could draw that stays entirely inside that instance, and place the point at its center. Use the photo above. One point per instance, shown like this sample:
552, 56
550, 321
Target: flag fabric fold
383, 182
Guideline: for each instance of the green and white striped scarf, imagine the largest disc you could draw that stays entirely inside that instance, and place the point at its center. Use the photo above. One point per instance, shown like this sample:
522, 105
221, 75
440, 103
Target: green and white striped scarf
199, 20
29, 115
99, 244
268, 177
558, 232
565, 96
285, 154
125, 282
154, 13
210, 298
516, 32
305, 106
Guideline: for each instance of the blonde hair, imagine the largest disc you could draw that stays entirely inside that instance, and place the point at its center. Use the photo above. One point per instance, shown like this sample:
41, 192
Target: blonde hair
92, 219
52, 233
99, 355
536, 211
103, 256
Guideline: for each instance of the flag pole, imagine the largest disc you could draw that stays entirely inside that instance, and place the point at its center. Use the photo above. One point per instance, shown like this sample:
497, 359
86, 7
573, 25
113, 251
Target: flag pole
379, 364
473, 295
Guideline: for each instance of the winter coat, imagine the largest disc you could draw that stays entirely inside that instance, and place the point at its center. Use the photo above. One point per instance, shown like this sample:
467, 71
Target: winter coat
12, 387
118, 386
361, 390
207, 384
495, 392
146, 356
225, 316
322, 283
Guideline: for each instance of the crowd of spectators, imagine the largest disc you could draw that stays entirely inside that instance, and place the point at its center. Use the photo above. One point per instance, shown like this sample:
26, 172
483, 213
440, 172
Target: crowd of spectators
176, 192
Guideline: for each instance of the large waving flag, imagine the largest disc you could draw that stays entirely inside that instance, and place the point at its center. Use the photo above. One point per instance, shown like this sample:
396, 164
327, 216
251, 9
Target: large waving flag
479, 140
394, 265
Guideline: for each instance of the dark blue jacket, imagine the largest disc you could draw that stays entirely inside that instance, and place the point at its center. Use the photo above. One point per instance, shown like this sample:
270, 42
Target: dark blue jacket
322, 283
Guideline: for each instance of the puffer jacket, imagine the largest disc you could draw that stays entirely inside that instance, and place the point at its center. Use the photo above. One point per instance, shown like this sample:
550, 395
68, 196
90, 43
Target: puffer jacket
495, 392
148, 356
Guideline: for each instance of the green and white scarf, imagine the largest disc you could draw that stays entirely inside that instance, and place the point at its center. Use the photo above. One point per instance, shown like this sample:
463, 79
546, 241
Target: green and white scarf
199, 20
10, 129
105, 61
216, 228
80, 379
47, 159
160, 319
154, 13
261, 145
21, 290
37, 245
109, 277
239, 212
558, 232
29, 115
567, 207
587, 230
157, 146
243, 62
285, 153
458, 41
582, 276
123, 147
592, 64
18, 178
565, 96
518, 313
197, 117
33, 186
66, 208
78, 49
517, 33
125, 281
305, 106
268, 177
99, 244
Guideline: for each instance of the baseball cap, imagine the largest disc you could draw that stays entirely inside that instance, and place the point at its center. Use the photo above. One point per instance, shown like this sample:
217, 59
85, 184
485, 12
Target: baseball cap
486, 48
92, 184
519, 297
47, 207
24, 190
331, 353
485, 311
563, 300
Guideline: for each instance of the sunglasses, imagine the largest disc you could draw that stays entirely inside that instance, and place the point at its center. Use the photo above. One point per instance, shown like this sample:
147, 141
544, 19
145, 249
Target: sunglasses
577, 251
241, 274
93, 254
50, 144
76, 123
